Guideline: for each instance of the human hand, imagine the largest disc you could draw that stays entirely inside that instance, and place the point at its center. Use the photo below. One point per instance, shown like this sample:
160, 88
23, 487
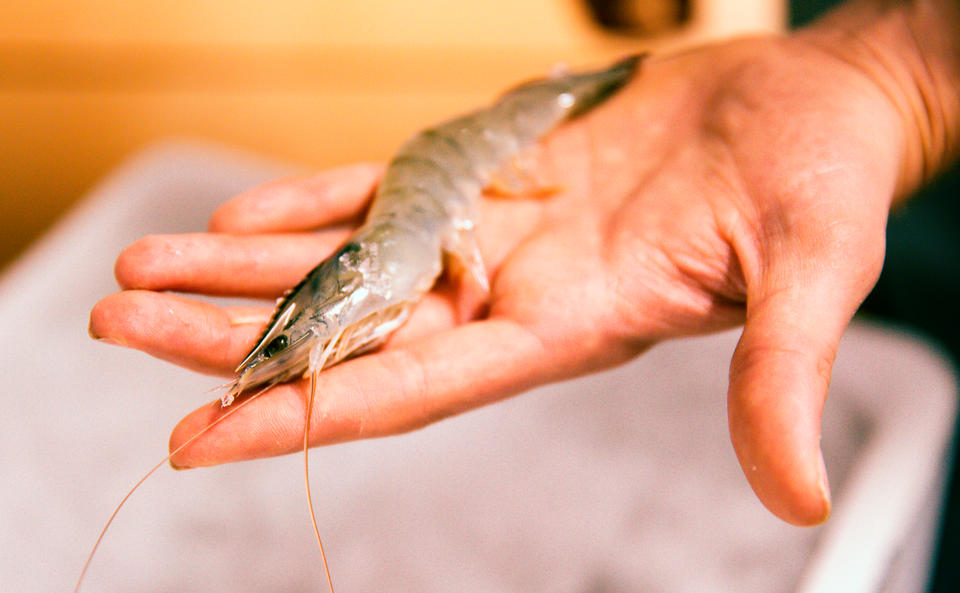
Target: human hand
748, 181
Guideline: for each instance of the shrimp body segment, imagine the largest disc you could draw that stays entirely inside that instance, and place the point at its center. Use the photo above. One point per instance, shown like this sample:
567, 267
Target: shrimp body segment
423, 209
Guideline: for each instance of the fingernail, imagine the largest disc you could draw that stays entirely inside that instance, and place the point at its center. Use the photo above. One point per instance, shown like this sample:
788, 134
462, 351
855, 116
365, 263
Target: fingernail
178, 468
824, 487
248, 318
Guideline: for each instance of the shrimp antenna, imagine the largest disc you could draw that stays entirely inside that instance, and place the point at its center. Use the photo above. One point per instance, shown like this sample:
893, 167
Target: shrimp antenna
306, 472
113, 515
319, 356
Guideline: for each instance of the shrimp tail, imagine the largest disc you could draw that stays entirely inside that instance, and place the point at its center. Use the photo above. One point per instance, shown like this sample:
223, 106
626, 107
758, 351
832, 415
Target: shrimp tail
582, 91
589, 90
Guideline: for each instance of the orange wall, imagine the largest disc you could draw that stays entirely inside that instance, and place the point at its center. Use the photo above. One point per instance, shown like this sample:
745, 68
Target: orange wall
85, 82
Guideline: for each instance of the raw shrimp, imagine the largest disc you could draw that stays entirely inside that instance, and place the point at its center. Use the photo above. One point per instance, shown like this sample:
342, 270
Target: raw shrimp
424, 209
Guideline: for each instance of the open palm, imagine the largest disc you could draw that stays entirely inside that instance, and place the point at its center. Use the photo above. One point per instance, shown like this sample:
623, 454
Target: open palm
743, 182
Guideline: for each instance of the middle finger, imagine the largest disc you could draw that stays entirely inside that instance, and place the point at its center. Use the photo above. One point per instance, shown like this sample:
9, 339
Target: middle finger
215, 264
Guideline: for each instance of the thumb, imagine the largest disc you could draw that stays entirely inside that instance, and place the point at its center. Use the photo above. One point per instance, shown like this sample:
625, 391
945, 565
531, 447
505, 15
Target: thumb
779, 377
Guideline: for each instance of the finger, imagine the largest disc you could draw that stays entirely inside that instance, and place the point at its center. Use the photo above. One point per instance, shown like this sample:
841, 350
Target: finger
779, 377
389, 392
299, 204
211, 339
255, 265
186, 332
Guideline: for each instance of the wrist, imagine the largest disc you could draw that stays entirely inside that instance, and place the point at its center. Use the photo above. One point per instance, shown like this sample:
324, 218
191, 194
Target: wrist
911, 51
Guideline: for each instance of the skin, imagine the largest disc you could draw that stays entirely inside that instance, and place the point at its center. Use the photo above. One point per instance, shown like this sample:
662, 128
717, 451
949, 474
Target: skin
746, 182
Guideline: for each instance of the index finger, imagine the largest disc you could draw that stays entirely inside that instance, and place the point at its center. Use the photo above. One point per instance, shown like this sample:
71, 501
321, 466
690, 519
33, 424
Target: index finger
300, 203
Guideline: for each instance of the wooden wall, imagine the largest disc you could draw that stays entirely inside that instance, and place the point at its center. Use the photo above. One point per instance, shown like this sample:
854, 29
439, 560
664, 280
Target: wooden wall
320, 82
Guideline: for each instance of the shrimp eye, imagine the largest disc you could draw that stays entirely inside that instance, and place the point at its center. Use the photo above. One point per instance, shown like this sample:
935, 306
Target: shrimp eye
276, 345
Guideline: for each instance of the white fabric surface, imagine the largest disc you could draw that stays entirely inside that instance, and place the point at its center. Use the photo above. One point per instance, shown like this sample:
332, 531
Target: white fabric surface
623, 481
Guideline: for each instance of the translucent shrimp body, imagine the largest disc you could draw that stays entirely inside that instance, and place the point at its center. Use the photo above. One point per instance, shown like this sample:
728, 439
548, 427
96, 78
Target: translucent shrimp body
424, 208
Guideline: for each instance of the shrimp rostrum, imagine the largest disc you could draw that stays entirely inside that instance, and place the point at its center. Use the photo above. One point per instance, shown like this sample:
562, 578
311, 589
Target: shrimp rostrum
424, 209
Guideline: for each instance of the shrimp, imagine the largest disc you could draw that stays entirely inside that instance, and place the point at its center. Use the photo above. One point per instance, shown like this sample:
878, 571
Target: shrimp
424, 210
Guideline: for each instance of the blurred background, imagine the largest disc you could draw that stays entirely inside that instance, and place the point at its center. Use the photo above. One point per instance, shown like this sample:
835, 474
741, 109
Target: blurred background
85, 83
